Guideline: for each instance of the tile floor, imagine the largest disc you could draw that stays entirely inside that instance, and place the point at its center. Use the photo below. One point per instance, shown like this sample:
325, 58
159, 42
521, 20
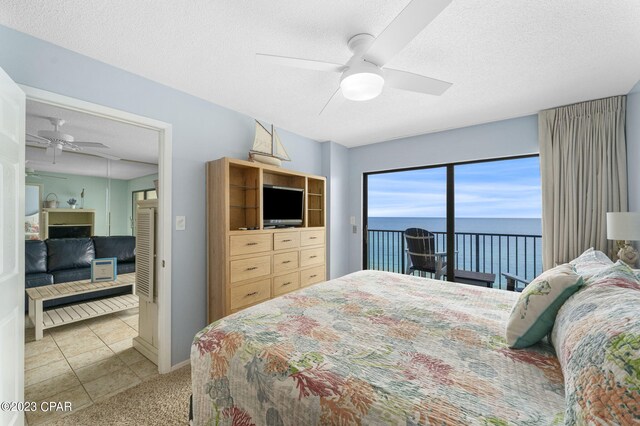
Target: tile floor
83, 362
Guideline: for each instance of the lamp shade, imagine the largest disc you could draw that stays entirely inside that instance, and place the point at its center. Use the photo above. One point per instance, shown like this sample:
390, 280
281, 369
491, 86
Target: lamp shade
623, 226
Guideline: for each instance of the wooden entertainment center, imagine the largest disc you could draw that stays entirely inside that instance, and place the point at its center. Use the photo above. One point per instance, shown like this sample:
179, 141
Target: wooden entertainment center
246, 263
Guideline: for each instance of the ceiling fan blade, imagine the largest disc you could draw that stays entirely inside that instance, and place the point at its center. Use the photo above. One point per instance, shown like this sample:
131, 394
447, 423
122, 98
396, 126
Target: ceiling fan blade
44, 140
38, 175
415, 83
91, 145
335, 95
308, 64
100, 154
404, 28
39, 144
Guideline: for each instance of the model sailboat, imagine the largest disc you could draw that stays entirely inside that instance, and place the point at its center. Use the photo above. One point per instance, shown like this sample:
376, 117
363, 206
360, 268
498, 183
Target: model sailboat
267, 147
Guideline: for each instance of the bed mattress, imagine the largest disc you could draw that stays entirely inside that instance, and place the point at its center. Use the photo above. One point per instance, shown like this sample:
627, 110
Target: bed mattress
374, 348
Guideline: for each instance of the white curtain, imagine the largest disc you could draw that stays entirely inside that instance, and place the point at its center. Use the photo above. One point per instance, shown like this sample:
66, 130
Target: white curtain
583, 164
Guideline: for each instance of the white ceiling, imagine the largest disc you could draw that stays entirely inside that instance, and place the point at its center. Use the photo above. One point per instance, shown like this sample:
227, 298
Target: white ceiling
136, 146
505, 58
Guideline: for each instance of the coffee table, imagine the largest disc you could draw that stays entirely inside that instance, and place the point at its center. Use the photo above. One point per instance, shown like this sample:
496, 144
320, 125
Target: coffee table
54, 317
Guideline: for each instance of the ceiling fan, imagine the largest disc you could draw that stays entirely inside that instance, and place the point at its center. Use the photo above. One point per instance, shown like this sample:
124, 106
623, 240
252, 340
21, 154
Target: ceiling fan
32, 173
363, 76
56, 142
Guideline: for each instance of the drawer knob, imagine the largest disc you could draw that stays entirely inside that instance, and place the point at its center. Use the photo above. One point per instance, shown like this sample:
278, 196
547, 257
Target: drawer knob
313, 276
252, 268
286, 261
313, 238
286, 241
287, 283
252, 294
252, 244
313, 257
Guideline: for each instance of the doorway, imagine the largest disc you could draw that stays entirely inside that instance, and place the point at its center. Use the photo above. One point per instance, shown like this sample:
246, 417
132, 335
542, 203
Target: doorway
119, 223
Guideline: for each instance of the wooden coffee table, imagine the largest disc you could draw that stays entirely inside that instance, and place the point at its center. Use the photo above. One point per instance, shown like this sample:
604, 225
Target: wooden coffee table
79, 311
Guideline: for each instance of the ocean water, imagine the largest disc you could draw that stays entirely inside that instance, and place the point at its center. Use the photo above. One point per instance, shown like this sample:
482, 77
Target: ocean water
510, 245
519, 226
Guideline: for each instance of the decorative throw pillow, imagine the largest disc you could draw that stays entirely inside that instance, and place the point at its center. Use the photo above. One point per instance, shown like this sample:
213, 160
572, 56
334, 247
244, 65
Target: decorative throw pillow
591, 262
597, 340
533, 315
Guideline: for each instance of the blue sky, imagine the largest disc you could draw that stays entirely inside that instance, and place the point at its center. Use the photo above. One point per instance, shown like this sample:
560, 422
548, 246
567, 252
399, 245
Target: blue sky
502, 189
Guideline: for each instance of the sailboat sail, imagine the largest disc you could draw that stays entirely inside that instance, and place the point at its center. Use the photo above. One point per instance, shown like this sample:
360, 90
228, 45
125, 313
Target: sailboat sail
262, 140
278, 148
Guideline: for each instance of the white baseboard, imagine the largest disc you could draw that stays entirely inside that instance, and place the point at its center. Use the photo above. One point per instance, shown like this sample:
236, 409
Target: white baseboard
180, 364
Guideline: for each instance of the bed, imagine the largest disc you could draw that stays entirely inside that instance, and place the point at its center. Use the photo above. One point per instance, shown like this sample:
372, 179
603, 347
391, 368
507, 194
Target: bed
374, 348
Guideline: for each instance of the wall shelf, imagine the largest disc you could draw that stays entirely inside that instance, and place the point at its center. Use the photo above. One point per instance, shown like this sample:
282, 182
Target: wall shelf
254, 264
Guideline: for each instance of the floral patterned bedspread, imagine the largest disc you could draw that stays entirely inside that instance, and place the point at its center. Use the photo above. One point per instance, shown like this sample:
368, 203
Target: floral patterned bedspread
374, 348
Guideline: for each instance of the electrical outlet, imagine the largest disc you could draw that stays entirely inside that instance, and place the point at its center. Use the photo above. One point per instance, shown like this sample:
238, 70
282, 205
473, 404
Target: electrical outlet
181, 223
354, 229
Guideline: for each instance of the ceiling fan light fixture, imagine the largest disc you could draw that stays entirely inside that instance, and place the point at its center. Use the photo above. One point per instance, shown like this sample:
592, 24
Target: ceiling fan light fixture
362, 82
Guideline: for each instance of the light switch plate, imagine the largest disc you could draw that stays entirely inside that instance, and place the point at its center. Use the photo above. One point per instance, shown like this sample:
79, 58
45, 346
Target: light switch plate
181, 223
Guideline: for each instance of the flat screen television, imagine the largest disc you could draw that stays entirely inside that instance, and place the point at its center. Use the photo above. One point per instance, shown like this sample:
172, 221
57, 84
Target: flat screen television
282, 206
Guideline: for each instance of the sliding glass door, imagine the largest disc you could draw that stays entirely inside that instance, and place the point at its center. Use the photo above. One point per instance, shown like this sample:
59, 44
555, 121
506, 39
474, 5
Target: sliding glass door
400, 200
494, 210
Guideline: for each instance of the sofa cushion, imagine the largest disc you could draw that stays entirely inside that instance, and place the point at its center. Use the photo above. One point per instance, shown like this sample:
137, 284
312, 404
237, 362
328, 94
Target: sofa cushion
35, 259
67, 275
533, 315
597, 339
69, 253
126, 268
591, 262
37, 280
122, 248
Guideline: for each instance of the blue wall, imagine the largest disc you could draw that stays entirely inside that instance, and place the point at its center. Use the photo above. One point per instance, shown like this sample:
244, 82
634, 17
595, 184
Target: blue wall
507, 138
335, 164
201, 131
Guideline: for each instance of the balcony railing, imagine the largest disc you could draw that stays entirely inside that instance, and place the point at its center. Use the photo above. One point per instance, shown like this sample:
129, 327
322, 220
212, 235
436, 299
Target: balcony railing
492, 253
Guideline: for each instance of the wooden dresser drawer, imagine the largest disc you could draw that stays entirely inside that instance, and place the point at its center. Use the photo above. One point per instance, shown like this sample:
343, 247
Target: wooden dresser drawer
253, 267
248, 294
285, 240
285, 261
285, 283
312, 275
311, 238
245, 244
312, 256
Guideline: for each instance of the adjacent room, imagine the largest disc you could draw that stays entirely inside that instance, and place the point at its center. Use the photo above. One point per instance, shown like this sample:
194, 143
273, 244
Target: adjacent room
388, 212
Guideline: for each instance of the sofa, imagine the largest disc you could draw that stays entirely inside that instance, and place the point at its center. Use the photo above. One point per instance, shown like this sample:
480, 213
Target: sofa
59, 260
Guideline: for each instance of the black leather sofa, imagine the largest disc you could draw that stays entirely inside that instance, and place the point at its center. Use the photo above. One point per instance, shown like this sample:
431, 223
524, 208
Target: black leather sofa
59, 260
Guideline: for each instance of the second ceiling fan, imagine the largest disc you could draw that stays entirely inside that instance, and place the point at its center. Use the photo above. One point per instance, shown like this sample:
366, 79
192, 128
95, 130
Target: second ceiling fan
364, 76
55, 141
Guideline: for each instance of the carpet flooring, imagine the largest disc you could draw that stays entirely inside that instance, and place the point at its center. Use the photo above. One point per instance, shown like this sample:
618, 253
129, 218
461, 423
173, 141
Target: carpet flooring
163, 400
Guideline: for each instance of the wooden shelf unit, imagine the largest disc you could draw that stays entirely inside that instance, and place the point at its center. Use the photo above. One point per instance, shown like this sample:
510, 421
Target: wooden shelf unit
246, 267
67, 218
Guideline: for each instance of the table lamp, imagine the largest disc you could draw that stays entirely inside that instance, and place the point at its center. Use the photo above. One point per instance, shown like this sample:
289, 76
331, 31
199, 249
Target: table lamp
624, 226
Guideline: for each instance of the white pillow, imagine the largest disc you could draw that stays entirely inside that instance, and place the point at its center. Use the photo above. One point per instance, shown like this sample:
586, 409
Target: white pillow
591, 262
533, 315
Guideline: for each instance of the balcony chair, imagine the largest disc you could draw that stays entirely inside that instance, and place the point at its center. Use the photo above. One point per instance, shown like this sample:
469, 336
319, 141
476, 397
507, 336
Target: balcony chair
514, 281
421, 254
422, 257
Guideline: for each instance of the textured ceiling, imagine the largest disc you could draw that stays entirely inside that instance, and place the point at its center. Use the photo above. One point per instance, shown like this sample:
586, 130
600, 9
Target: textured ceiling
505, 58
137, 144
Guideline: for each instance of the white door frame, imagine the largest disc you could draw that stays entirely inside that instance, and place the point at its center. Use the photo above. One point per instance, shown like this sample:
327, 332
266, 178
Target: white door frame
164, 200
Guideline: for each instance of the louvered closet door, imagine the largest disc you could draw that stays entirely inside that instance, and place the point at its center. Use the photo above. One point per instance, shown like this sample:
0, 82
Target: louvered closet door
145, 253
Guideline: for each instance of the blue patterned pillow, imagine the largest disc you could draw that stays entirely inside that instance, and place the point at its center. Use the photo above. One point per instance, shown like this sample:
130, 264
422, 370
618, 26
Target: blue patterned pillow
597, 340
533, 315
